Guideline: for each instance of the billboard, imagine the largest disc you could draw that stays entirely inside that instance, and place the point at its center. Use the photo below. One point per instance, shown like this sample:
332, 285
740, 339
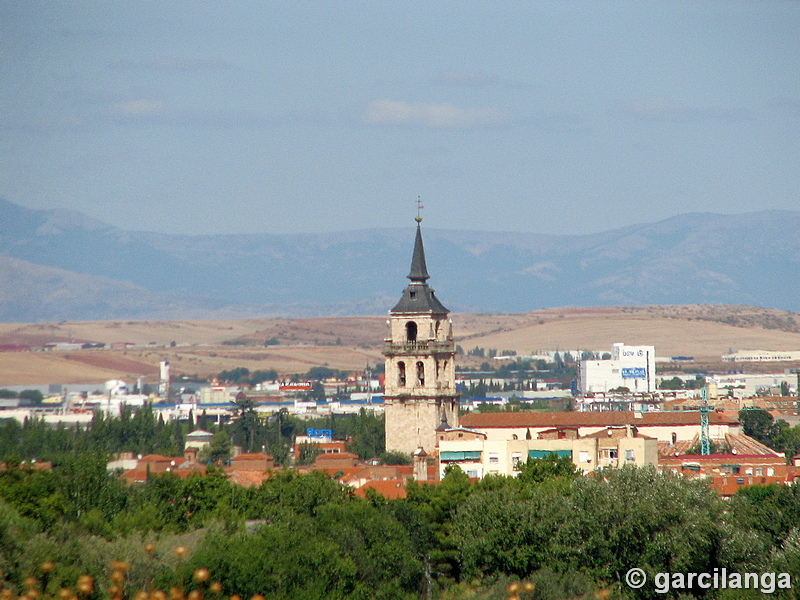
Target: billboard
634, 373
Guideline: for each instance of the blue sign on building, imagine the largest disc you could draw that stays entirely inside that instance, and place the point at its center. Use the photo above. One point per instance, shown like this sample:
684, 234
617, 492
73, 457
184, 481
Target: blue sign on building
319, 433
634, 373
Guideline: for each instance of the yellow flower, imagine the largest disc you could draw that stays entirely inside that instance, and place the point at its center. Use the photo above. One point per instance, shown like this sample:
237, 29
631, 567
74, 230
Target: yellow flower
201, 575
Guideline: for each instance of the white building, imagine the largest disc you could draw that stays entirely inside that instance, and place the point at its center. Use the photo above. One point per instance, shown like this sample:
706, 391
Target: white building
762, 356
745, 385
632, 367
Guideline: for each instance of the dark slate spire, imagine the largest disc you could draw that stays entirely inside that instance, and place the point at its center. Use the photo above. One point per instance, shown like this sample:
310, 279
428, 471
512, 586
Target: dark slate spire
419, 272
418, 297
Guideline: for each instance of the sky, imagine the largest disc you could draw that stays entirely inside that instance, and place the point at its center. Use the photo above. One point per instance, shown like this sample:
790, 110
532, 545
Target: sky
288, 117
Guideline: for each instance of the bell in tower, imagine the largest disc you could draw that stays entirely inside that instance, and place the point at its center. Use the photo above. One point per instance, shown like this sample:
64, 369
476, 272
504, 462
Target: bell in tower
419, 384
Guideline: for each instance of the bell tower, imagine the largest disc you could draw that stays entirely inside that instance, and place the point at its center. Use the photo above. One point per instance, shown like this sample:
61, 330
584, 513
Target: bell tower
420, 389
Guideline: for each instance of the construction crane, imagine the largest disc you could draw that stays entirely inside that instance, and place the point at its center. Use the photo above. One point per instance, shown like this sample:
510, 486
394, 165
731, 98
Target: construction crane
705, 437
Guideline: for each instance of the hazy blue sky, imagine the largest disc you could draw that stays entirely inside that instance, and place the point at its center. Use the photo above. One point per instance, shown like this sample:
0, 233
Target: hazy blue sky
321, 116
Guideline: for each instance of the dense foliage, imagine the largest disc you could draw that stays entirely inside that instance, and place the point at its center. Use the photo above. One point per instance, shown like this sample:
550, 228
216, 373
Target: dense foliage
778, 435
309, 536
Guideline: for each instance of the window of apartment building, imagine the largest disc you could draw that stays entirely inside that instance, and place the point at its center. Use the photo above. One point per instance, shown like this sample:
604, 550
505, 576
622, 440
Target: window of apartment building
629, 455
740, 480
493, 458
472, 473
748, 471
759, 471
583, 456
516, 461
770, 471
612, 453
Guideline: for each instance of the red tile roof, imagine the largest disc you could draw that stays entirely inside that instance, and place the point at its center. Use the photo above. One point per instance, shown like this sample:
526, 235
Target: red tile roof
741, 445
248, 478
252, 456
336, 456
159, 458
392, 488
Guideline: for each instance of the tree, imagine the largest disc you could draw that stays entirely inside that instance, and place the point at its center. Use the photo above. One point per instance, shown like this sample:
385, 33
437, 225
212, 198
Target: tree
636, 517
771, 509
320, 373
676, 383
785, 439
433, 510
246, 429
260, 376
395, 457
307, 453
537, 470
505, 531
317, 392
219, 449
369, 435
237, 375
757, 423
31, 396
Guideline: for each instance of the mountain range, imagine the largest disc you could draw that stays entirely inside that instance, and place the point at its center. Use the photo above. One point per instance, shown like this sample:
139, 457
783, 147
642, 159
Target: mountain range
63, 265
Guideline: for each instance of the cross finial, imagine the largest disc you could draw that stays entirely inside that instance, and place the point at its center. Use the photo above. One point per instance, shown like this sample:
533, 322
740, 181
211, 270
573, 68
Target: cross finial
418, 218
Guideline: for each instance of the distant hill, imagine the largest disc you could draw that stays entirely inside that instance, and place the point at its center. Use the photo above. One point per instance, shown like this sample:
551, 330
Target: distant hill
59, 265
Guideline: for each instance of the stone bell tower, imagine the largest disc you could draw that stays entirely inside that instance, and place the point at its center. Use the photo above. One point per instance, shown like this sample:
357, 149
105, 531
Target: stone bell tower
420, 390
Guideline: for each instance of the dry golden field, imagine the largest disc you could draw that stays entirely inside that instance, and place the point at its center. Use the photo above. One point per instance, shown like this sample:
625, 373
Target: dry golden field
207, 347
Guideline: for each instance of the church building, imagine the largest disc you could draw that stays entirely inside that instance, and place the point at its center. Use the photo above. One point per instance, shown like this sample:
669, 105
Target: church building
420, 391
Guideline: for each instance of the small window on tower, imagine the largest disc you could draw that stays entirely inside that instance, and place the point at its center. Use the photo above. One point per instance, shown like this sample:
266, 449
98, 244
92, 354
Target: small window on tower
420, 373
411, 331
401, 374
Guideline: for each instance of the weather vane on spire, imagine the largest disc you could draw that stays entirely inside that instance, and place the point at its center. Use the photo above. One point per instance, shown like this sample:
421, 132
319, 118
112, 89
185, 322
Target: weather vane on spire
418, 218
